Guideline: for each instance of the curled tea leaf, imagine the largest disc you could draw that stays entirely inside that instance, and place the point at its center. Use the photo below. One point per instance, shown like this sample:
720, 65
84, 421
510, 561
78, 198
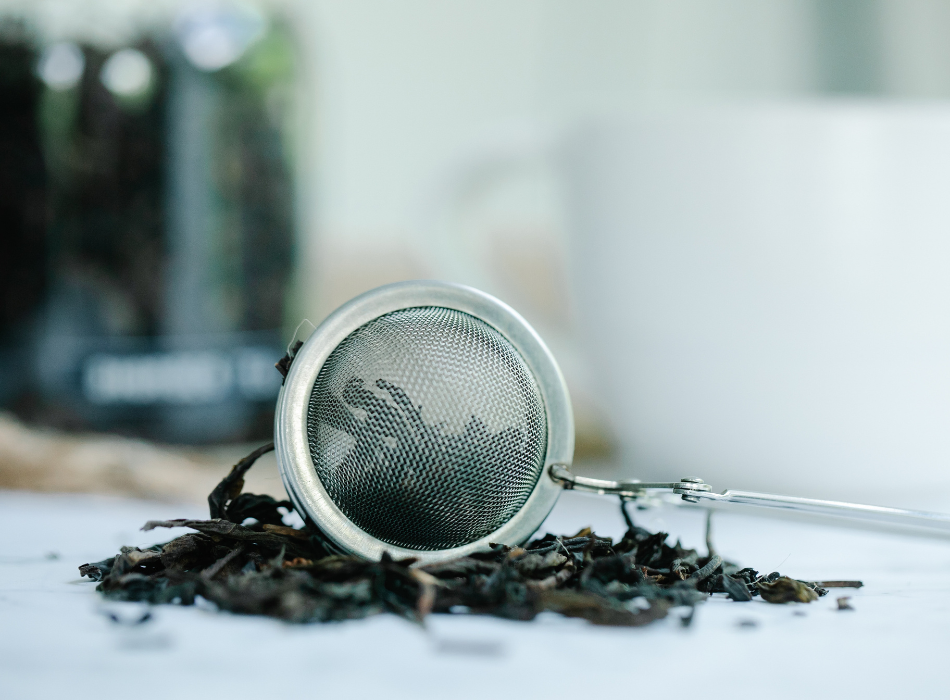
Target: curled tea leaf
786, 590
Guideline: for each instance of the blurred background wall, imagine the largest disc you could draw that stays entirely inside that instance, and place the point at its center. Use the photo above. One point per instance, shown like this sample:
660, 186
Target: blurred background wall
673, 193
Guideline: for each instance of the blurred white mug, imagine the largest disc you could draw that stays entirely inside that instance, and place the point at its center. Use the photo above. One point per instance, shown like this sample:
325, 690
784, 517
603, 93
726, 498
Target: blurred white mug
765, 294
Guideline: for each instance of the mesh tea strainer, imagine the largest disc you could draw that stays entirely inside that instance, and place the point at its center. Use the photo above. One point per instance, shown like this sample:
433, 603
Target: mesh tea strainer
421, 419
427, 420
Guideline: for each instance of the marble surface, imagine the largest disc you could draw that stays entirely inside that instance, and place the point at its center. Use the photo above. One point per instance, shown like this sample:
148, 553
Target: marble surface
57, 638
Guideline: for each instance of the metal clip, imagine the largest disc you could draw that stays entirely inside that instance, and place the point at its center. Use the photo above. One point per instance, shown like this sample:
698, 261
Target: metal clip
687, 487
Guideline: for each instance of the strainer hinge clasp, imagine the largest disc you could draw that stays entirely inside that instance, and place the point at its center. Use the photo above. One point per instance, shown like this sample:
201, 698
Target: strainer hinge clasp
632, 488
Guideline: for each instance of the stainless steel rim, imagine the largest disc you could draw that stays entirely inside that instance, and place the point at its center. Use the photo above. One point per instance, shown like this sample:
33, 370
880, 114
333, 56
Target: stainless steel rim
290, 425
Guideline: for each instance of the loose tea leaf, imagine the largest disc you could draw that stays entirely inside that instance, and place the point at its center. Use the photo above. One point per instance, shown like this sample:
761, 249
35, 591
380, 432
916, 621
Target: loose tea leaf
245, 560
786, 590
231, 486
736, 590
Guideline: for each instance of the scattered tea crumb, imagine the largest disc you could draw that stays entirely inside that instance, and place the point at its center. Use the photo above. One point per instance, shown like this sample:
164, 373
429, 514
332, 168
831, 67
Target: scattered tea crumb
844, 603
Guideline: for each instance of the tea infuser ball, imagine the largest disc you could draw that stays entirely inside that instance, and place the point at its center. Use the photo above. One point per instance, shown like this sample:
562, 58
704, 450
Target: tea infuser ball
422, 419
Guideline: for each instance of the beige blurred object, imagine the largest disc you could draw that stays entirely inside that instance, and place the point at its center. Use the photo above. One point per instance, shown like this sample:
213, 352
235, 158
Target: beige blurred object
348, 270
45, 460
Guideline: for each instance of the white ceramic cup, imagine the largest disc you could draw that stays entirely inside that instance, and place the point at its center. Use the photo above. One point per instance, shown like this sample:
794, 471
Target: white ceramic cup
765, 294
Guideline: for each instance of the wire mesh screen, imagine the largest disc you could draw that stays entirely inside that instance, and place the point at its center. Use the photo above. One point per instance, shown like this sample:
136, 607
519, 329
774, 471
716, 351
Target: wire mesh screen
427, 429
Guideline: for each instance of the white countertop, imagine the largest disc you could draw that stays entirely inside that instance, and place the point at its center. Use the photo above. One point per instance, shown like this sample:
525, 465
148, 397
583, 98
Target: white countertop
56, 641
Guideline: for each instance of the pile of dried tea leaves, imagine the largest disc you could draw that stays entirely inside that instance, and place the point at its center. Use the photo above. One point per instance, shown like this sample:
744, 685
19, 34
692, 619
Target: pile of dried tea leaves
245, 560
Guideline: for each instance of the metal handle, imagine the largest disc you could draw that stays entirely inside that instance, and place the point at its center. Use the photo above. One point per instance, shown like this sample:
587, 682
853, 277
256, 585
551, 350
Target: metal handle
694, 490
